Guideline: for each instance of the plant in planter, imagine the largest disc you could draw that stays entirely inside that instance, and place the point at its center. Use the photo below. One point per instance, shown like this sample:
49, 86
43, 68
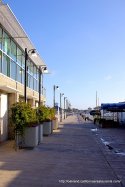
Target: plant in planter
31, 130
45, 118
41, 114
24, 119
54, 119
19, 116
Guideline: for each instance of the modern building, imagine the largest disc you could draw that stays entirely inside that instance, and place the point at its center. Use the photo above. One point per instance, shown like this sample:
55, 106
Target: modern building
13, 43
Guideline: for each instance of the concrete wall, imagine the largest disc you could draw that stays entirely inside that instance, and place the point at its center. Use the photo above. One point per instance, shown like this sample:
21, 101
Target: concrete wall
3, 117
9, 85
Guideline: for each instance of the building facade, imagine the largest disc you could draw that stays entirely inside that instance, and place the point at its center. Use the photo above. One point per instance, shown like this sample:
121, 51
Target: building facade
13, 42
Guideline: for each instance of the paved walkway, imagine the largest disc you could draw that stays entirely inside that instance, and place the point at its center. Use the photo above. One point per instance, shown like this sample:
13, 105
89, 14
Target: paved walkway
73, 156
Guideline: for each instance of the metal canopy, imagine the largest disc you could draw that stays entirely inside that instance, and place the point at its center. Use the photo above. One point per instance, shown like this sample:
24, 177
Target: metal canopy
113, 107
10, 23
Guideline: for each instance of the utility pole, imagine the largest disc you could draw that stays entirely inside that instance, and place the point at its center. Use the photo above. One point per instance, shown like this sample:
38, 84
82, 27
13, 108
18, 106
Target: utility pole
98, 101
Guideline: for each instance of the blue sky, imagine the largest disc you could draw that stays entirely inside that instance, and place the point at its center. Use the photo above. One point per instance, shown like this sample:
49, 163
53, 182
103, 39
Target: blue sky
83, 44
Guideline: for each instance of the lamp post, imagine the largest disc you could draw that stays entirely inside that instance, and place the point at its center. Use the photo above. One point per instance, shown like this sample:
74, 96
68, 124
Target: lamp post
33, 53
61, 94
42, 68
67, 103
54, 89
64, 106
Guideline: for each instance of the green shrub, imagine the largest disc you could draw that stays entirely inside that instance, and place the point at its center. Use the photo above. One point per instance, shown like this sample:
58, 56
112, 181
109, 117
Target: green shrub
23, 115
53, 113
44, 114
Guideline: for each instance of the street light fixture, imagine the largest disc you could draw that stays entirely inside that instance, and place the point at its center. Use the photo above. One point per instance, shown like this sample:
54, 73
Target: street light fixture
61, 94
32, 52
54, 89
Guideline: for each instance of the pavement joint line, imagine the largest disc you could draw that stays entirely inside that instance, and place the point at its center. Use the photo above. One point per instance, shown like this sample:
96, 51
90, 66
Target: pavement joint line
100, 147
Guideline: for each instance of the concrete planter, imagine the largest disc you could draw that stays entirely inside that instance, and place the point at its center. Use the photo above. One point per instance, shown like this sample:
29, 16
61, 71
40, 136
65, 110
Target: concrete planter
47, 128
31, 136
40, 133
55, 124
51, 126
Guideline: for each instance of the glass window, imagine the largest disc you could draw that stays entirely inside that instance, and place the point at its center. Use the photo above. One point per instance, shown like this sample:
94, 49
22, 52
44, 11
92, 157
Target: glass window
23, 73
35, 72
6, 65
13, 70
32, 69
23, 61
6, 43
31, 82
19, 56
28, 80
29, 66
35, 84
0, 61
19, 73
0, 38
13, 51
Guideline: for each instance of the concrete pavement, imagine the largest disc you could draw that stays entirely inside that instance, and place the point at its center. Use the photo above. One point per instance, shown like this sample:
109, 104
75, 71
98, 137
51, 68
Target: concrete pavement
74, 155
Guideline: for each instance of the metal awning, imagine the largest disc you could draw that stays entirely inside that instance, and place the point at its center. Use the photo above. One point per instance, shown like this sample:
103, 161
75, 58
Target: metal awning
113, 107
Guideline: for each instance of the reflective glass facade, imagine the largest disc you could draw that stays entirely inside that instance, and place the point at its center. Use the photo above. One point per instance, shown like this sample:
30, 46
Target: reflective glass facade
12, 62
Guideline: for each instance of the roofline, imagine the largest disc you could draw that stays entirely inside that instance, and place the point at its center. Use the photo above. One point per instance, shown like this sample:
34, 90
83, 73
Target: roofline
40, 60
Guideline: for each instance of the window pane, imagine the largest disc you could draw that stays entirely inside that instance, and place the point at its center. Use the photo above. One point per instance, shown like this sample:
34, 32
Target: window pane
23, 73
0, 38
13, 70
6, 43
31, 82
6, 65
35, 84
29, 66
13, 51
32, 68
23, 61
19, 56
35, 72
28, 80
19, 72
